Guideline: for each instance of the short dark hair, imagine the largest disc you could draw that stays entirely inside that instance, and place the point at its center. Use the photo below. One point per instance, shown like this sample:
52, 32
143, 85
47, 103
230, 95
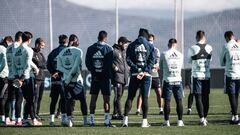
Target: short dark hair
26, 36
38, 41
199, 35
102, 35
171, 42
72, 37
5, 40
144, 33
18, 35
151, 35
63, 39
228, 35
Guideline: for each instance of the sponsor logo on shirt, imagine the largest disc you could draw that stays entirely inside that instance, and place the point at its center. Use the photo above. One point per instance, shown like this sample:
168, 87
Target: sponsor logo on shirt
67, 52
141, 54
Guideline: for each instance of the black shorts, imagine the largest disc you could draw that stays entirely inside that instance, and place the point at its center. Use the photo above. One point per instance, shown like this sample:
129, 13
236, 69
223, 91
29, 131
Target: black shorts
175, 89
231, 86
75, 90
156, 83
101, 84
200, 86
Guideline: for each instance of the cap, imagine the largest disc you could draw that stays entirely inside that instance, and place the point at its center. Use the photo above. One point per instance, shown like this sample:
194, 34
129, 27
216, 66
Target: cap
123, 40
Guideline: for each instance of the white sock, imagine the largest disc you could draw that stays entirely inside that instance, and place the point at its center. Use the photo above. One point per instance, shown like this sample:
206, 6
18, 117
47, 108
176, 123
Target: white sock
202, 119
91, 118
180, 120
138, 109
125, 120
7, 119
189, 109
3, 118
233, 117
161, 109
236, 118
107, 120
167, 121
145, 121
19, 119
34, 120
52, 118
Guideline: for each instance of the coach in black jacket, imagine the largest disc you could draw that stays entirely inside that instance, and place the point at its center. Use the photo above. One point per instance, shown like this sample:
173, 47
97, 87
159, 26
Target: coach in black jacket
40, 61
120, 75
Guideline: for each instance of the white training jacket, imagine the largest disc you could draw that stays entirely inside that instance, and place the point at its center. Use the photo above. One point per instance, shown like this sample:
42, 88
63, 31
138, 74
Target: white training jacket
171, 63
69, 62
23, 61
230, 59
199, 55
3, 62
10, 57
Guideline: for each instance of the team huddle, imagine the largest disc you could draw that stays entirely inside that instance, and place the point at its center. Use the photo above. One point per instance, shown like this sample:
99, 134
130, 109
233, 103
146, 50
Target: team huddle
22, 78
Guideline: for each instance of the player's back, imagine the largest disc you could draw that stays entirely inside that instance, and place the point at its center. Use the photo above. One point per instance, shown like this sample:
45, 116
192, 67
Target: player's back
171, 63
231, 60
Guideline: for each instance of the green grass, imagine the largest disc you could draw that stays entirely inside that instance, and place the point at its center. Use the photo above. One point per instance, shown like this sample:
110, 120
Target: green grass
218, 120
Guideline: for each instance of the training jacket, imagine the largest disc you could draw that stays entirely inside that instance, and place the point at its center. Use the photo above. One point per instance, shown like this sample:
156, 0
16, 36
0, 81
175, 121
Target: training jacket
199, 55
140, 56
230, 59
99, 59
171, 64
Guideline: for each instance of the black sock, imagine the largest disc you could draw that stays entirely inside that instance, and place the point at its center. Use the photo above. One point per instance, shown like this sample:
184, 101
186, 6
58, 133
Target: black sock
166, 109
199, 105
232, 100
145, 107
179, 108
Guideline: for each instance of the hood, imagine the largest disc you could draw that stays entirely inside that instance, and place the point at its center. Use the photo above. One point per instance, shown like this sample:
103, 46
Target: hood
142, 40
117, 46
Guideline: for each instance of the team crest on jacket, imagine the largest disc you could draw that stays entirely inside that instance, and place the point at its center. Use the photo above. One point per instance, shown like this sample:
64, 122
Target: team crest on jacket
141, 54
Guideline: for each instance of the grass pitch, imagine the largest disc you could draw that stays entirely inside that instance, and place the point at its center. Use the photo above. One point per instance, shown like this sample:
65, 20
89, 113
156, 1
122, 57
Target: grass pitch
218, 119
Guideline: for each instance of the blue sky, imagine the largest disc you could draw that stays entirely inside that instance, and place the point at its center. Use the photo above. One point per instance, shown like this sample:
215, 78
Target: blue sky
190, 5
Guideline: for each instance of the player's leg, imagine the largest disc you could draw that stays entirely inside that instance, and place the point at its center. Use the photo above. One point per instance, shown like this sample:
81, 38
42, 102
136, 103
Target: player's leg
54, 95
84, 108
139, 103
118, 91
8, 105
178, 94
190, 102
41, 90
105, 86
205, 97
167, 93
132, 89
35, 99
114, 116
145, 92
119, 102
230, 89
3, 99
157, 88
197, 87
94, 91
18, 105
